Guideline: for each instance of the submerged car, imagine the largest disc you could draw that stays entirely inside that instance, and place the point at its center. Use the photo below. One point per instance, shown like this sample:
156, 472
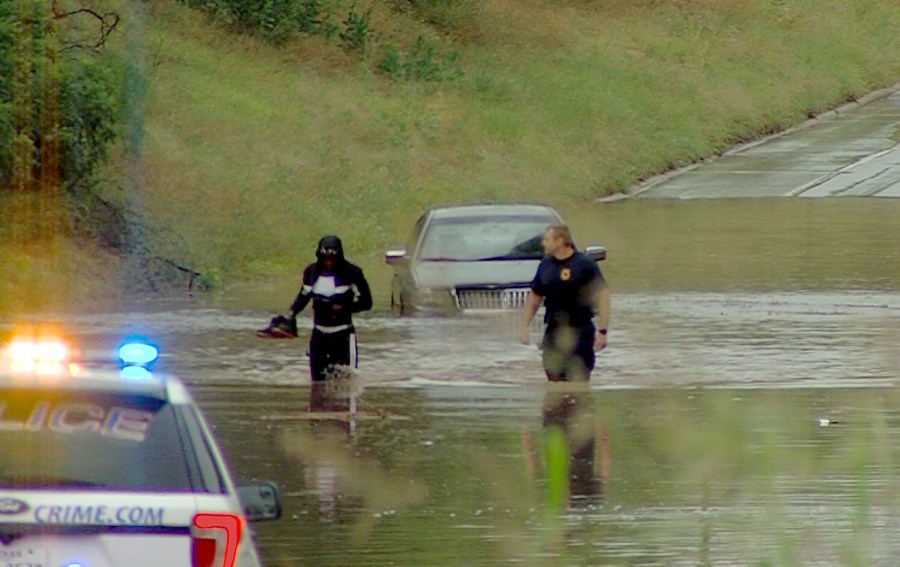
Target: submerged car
111, 464
471, 258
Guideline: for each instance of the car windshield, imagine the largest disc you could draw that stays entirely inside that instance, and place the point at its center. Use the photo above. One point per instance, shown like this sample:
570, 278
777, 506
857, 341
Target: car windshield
479, 239
89, 442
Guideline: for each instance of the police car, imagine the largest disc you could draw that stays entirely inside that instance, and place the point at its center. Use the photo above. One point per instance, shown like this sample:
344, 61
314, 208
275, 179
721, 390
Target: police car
114, 465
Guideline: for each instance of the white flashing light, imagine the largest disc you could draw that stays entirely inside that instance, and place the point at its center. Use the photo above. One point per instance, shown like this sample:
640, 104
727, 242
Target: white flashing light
43, 357
140, 354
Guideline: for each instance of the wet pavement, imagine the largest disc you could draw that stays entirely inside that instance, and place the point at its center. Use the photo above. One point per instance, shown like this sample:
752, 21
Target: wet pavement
852, 152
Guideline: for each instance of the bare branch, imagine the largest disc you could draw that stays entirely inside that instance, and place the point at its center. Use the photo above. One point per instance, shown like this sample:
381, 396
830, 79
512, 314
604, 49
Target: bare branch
107, 22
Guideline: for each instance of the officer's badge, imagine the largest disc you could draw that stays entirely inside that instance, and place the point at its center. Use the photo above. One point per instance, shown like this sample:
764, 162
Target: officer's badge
565, 274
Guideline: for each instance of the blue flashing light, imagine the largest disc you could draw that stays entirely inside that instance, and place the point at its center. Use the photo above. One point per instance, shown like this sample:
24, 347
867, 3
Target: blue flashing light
74, 564
136, 374
138, 353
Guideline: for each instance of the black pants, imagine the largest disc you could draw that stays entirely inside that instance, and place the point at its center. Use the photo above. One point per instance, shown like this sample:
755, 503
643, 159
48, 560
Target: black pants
569, 353
327, 350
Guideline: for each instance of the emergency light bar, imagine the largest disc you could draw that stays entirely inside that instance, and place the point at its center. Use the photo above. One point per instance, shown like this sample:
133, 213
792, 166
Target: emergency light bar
43, 357
138, 353
50, 356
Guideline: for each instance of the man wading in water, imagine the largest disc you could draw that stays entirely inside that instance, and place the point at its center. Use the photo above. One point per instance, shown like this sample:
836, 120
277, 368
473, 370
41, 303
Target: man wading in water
338, 289
573, 291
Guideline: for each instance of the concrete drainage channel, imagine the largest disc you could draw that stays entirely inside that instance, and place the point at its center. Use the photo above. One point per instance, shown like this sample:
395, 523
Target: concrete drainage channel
853, 150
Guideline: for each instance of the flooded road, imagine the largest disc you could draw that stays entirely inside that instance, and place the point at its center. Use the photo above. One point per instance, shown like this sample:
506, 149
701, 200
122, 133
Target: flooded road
745, 412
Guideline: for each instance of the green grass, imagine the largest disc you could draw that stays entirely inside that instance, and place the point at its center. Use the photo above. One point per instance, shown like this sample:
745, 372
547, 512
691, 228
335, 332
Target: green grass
565, 102
251, 152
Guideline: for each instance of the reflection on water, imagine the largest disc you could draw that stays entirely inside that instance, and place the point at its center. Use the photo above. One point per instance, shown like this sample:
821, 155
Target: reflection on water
677, 476
744, 413
576, 448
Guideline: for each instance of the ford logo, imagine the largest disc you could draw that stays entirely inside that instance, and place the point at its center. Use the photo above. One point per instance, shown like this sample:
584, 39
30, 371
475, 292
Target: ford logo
10, 506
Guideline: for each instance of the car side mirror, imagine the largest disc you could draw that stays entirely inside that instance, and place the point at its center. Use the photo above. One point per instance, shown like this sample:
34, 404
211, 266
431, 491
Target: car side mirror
395, 254
597, 253
260, 501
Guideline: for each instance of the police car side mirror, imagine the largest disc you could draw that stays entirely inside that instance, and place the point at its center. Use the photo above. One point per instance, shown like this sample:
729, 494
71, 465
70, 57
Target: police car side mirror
260, 501
597, 253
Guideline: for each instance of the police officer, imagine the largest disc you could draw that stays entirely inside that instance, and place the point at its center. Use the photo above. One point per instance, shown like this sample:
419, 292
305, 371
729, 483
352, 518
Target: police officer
573, 291
337, 289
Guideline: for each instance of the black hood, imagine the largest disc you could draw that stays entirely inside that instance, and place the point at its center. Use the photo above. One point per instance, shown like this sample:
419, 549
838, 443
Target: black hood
330, 243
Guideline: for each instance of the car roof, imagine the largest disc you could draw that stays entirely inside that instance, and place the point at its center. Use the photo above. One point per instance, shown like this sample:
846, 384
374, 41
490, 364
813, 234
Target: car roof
101, 381
492, 210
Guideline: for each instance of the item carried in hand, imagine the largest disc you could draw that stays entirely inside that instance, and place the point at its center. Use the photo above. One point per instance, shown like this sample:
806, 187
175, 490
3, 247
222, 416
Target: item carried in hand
280, 327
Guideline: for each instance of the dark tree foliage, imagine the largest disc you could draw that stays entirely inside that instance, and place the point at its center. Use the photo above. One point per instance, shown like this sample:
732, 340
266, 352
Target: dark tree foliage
57, 93
91, 111
6, 106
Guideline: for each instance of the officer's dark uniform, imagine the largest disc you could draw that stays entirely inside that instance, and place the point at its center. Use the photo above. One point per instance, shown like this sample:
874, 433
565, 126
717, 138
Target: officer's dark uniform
569, 288
333, 340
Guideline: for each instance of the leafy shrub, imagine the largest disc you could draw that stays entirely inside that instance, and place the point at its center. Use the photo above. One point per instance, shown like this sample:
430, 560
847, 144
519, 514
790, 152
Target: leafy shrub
355, 36
278, 20
274, 20
419, 63
91, 113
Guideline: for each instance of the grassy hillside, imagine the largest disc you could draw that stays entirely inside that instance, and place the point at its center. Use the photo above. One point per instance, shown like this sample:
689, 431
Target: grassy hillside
247, 152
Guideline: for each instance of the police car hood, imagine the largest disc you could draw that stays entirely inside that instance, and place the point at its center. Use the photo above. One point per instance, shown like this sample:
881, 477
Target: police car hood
484, 273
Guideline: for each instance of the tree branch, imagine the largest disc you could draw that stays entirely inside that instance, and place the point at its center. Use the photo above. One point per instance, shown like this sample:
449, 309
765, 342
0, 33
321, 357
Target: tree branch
107, 21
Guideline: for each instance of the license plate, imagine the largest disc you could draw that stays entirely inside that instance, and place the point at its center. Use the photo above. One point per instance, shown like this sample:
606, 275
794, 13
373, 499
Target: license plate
23, 557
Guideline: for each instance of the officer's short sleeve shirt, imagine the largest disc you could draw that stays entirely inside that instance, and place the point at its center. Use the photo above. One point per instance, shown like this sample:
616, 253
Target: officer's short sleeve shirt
569, 288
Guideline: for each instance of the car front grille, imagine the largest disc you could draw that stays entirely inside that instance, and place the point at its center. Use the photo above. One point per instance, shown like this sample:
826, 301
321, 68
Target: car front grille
506, 303
493, 299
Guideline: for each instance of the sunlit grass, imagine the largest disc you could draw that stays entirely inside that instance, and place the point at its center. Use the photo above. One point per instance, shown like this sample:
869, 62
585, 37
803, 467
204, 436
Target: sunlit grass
251, 154
58, 275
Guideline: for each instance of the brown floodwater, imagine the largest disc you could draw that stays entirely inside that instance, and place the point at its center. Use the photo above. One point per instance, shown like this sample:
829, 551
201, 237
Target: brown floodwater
745, 411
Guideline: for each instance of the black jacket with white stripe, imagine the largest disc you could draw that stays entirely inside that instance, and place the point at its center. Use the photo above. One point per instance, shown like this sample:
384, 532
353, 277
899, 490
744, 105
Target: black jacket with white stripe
336, 294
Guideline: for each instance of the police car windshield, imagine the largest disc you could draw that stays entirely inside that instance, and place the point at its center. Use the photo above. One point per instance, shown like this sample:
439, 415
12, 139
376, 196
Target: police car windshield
90, 441
482, 239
